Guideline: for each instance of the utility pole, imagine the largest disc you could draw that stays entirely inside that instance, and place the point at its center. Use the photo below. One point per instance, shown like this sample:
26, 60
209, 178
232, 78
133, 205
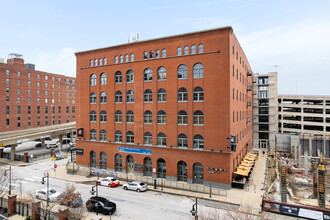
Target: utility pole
9, 191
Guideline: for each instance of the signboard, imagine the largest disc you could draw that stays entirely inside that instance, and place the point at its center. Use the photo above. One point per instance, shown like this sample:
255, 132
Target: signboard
138, 167
80, 132
55, 166
295, 210
1, 145
135, 150
79, 151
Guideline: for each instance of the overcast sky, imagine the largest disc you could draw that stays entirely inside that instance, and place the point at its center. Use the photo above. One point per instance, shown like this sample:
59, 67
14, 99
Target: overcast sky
291, 37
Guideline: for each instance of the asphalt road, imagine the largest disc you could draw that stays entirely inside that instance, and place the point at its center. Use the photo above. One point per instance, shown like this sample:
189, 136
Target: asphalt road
130, 204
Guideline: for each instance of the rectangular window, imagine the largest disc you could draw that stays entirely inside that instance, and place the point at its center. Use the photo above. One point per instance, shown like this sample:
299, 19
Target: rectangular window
7, 81
7, 72
7, 89
18, 124
73, 110
18, 74
19, 82
7, 109
59, 109
7, 98
7, 121
18, 109
29, 75
46, 77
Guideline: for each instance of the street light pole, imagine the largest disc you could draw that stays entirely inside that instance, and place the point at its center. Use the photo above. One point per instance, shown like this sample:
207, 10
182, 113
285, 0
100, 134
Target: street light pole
43, 182
211, 172
9, 191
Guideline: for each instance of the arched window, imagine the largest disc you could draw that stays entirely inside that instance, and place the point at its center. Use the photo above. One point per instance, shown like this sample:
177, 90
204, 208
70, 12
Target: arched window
118, 116
118, 97
93, 80
130, 137
91, 63
198, 118
103, 79
103, 116
157, 54
121, 58
95, 62
198, 142
118, 77
118, 163
104, 61
193, 49
118, 136
147, 117
163, 53
151, 54
103, 98
116, 59
182, 72
103, 160
103, 135
130, 96
130, 76
92, 116
161, 168
182, 140
145, 55
92, 98
161, 117
132, 57
92, 135
161, 95
161, 73
126, 58
147, 97
100, 62
182, 118
161, 139
198, 70
179, 51
182, 95
130, 117
186, 50
147, 76
182, 171
200, 48
147, 138
198, 94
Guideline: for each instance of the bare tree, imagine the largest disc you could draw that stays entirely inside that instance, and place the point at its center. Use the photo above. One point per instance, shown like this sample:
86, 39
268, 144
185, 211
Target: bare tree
70, 197
45, 207
7, 180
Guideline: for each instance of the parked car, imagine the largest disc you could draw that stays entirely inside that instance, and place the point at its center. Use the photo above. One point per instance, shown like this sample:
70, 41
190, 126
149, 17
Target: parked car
38, 145
73, 204
52, 194
59, 156
100, 204
136, 185
108, 181
48, 138
48, 146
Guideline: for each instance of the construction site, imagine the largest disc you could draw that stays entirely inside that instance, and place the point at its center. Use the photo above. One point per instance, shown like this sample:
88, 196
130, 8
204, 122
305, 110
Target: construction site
297, 176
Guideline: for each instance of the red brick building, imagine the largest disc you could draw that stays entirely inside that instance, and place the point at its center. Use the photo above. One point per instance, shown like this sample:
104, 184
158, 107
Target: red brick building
31, 98
166, 107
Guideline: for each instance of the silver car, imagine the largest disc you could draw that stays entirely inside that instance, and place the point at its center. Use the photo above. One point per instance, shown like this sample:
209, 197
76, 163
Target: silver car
136, 186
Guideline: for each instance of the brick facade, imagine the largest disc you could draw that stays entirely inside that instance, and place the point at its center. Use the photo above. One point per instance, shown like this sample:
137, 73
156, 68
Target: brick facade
219, 105
23, 90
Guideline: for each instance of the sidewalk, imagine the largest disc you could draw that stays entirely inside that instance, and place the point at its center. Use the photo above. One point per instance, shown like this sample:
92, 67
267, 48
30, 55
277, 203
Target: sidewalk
248, 199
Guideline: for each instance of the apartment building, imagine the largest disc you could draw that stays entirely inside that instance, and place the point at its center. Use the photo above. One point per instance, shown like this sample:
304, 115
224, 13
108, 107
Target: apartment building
265, 110
177, 107
33, 98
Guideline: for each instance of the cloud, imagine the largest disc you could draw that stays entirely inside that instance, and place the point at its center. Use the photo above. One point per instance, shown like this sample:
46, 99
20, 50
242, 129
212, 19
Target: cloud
301, 50
62, 61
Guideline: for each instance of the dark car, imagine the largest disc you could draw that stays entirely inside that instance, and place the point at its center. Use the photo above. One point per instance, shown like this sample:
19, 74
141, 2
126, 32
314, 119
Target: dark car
101, 205
38, 145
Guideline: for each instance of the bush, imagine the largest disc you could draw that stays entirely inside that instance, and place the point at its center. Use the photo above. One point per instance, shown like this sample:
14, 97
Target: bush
27, 218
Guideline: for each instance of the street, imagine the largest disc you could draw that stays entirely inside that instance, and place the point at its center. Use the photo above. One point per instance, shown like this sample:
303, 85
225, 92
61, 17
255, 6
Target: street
130, 204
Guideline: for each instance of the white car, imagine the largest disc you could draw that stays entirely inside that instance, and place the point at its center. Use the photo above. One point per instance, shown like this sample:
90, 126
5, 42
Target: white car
108, 181
52, 194
136, 186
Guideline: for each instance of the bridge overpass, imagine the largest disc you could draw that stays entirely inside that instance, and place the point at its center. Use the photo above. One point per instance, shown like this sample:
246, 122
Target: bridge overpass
14, 137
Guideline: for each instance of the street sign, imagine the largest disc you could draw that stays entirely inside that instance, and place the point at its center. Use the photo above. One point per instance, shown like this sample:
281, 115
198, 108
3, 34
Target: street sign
1, 145
55, 166
53, 158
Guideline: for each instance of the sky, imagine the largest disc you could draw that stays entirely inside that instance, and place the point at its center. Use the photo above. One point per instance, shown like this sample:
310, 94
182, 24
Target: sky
290, 37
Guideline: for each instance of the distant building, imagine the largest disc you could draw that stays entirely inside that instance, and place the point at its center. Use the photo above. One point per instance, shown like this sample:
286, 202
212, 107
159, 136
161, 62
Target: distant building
166, 107
31, 98
309, 114
265, 110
